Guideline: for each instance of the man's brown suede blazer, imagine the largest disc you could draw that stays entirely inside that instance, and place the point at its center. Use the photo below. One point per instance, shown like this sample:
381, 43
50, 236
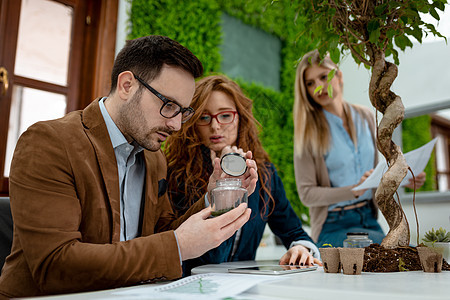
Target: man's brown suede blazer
65, 201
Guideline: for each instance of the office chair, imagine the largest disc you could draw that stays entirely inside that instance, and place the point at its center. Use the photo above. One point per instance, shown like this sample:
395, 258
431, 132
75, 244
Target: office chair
6, 229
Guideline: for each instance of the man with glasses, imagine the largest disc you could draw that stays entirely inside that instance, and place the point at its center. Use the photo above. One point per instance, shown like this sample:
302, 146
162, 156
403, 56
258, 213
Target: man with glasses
88, 191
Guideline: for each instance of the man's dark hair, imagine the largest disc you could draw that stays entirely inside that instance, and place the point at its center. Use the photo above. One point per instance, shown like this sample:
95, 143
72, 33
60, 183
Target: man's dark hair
146, 55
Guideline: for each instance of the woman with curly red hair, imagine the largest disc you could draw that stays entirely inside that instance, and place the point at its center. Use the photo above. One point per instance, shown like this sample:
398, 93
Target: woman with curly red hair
223, 122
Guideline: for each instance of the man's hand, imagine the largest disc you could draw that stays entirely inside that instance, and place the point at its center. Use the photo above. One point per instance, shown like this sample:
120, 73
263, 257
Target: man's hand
299, 255
199, 234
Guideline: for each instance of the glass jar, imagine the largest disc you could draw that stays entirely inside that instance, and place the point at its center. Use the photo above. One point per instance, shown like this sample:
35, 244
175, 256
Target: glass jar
357, 240
227, 195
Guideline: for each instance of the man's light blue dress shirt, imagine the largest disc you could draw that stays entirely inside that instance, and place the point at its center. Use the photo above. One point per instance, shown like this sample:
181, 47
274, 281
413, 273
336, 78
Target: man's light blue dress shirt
131, 166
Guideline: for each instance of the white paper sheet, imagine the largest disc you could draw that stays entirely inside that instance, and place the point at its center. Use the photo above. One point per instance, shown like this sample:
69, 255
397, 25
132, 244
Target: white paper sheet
417, 159
202, 286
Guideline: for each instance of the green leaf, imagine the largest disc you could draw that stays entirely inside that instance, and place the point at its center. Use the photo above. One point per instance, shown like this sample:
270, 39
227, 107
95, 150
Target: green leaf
400, 42
374, 36
318, 89
396, 60
330, 90
393, 4
402, 267
431, 27
434, 13
335, 55
439, 5
322, 51
412, 15
404, 19
391, 33
373, 25
417, 34
380, 9
394, 52
423, 9
333, 43
331, 75
408, 42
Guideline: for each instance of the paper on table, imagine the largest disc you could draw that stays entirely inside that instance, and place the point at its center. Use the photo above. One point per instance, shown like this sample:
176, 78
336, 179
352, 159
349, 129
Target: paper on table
417, 159
202, 286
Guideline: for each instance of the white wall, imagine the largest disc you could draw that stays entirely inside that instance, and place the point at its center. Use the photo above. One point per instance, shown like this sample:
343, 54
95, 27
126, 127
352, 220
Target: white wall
430, 215
423, 73
423, 76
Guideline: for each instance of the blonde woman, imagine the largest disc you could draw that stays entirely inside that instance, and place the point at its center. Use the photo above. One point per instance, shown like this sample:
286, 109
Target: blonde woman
334, 151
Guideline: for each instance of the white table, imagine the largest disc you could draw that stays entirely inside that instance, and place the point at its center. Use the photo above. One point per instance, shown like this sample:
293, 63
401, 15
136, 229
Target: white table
320, 285
367, 286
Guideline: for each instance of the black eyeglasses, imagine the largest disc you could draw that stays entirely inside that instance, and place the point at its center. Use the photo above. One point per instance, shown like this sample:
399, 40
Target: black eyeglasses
169, 109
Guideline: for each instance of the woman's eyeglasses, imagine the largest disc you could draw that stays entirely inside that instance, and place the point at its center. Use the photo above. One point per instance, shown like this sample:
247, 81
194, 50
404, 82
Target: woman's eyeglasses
169, 109
224, 117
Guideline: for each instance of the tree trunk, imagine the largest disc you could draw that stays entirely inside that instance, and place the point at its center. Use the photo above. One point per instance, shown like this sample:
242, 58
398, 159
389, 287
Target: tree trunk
391, 106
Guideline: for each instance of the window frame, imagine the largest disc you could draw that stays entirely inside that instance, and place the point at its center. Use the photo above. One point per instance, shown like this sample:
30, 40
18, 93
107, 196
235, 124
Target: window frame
90, 61
425, 196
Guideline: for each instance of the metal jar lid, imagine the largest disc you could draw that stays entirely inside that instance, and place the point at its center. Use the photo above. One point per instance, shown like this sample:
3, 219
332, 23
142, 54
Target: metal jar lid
233, 164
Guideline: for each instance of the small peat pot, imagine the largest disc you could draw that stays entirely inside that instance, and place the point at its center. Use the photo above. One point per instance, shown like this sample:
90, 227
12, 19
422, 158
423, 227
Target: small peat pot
352, 260
443, 248
430, 259
330, 259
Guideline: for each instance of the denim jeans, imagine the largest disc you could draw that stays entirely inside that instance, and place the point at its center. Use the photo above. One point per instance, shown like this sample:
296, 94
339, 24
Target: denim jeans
338, 223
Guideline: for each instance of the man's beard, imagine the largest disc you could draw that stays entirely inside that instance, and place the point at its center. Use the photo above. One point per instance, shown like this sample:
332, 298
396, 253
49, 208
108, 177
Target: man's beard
132, 123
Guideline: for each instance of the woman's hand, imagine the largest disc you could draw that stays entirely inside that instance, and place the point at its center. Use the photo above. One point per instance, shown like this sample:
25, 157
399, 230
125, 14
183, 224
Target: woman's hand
361, 180
249, 178
420, 180
299, 255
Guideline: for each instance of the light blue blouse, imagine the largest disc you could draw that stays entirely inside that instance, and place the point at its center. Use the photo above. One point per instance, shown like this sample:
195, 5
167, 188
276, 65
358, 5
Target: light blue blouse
345, 162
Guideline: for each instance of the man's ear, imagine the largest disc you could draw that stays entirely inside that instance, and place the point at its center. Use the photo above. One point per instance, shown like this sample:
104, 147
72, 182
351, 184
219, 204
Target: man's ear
127, 85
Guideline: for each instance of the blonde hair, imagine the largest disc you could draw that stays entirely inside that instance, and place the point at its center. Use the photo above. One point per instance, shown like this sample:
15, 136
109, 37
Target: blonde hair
310, 124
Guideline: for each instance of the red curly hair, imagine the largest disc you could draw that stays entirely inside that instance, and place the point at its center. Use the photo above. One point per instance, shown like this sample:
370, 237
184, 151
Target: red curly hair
189, 162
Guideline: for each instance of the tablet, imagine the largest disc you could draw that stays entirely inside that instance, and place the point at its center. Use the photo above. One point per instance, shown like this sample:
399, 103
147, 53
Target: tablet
272, 269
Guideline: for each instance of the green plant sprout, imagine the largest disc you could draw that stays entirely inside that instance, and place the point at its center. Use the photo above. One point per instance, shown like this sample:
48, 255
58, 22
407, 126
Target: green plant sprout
327, 245
438, 236
402, 265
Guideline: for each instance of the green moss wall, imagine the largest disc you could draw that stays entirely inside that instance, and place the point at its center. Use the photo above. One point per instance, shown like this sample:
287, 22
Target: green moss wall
416, 132
196, 25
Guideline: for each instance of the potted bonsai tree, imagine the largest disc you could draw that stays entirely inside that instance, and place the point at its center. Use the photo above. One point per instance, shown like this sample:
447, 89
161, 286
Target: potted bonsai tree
372, 31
